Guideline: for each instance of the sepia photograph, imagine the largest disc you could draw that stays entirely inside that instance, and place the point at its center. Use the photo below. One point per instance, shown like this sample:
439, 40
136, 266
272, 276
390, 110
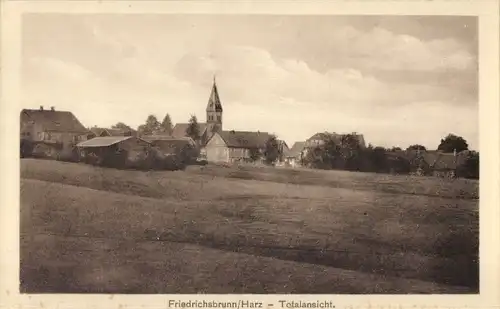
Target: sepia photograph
210, 153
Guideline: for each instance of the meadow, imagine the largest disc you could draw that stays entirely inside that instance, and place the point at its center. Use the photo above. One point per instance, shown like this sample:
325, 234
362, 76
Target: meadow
213, 229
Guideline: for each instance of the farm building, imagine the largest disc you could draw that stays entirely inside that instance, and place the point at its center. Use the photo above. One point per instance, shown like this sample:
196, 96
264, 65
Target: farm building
117, 151
236, 146
53, 134
294, 155
283, 149
213, 119
434, 163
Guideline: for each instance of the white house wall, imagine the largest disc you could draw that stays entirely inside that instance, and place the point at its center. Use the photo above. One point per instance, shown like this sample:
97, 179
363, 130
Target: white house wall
217, 150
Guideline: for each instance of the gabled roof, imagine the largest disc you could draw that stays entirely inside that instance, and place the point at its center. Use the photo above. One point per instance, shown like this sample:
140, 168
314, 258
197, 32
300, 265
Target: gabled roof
153, 138
111, 132
214, 103
51, 120
97, 131
245, 139
180, 129
170, 145
434, 159
296, 149
106, 141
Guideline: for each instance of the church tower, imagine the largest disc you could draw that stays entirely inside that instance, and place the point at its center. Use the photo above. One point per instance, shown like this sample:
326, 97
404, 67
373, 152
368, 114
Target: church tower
214, 110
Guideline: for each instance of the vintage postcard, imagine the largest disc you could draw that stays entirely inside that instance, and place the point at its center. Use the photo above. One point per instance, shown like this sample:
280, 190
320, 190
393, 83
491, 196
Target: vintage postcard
249, 154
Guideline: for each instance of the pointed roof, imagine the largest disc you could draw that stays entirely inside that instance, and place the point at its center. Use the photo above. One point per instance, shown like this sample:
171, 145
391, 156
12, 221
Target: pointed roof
214, 103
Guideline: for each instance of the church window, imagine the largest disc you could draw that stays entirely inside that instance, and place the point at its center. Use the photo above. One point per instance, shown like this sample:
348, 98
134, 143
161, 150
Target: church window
218, 118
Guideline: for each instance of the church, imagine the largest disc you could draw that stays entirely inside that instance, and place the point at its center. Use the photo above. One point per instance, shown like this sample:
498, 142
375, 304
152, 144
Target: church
213, 119
219, 145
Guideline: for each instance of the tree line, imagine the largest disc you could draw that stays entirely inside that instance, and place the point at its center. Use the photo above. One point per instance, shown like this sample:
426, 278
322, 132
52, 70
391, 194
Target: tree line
349, 155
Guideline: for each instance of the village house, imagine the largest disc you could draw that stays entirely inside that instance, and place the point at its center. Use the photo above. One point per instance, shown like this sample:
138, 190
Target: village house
283, 149
432, 162
295, 155
52, 133
119, 151
213, 120
236, 146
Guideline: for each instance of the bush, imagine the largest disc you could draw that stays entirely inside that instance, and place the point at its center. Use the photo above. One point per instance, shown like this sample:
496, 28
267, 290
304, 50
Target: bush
188, 154
26, 148
73, 156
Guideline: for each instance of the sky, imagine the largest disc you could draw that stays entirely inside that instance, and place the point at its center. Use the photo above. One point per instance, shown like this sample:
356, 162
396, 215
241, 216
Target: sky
399, 80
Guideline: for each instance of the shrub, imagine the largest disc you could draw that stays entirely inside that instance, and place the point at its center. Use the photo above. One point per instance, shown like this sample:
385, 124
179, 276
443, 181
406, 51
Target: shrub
26, 148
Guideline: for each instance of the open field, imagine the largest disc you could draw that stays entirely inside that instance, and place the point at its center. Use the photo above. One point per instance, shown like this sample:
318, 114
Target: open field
244, 230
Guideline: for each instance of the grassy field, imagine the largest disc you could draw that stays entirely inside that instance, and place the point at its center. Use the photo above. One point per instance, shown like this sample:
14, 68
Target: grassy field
244, 230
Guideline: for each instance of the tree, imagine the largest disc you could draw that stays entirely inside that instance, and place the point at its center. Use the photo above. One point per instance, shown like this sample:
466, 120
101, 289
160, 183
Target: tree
350, 141
377, 160
470, 168
193, 129
152, 124
416, 147
166, 125
272, 150
453, 143
254, 154
121, 126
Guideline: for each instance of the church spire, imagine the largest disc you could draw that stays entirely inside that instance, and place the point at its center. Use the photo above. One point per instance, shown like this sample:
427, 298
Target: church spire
214, 103
214, 110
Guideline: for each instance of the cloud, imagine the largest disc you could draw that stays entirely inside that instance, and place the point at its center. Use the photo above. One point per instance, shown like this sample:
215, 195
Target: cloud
388, 86
384, 50
254, 76
40, 66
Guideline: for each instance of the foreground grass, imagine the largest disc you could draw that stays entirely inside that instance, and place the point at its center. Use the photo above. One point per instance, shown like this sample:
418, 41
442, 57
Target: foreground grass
321, 239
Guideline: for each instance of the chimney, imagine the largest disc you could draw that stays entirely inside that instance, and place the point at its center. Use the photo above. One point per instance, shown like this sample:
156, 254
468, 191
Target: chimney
41, 107
52, 108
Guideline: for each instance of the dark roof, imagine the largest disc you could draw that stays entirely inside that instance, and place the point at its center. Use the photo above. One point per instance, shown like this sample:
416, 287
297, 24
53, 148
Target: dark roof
119, 132
214, 103
180, 129
434, 159
296, 149
153, 138
111, 132
171, 146
245, 139
51, 120
105, 141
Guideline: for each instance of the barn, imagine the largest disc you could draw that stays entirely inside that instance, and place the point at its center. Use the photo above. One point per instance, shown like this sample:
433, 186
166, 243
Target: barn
115, 151
236, 146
